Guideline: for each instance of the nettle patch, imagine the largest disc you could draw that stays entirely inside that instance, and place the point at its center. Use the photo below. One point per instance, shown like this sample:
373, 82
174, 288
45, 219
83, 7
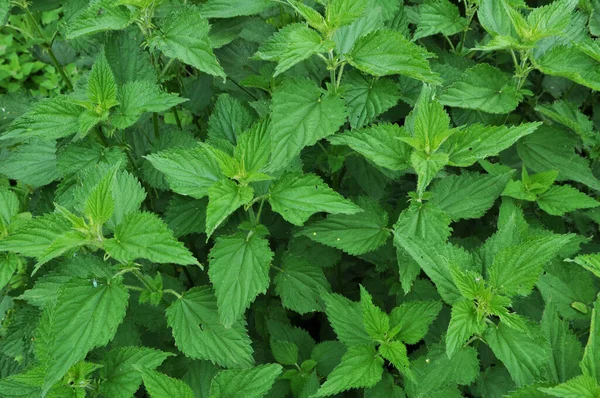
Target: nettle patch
254, 198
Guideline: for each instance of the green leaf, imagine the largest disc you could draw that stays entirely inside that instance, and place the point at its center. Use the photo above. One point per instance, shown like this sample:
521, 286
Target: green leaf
102, 88
184, 35
225, 197
377, 323
251, 383
434, 371
284, 352
300, 284
571, 63
346, 36
590, 363
355, 234
48, 119
290, 45
84, 316
568, 114
298, 196
9, 207
8, 265
199, 333
566, 347
413, 318
591, 262
561, 199
32, 163
228, 119
189, 171
344, 12
186, 215
494, 16
253, 147
227, 9
516, 269
483, 88
100, 205
378, 143
144, 235
387, 52
361, 367
302, 114
138, 97
553, 149
469, 195
476, 142
100, 16
395, 353
464, 323
342, 315
580, 386
239, 271
434, 259
438, 16
81, 155
368, 97
428, 123
118, 373
4, 12
551, 19
159, 385
524, 354
33, 237
427, 167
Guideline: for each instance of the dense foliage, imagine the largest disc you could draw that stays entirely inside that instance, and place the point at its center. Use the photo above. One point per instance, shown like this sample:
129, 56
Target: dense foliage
299, 198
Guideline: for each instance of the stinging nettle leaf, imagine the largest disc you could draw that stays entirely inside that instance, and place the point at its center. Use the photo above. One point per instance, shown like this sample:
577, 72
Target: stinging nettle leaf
144, 235
252, 383
298, 196
239, 271
367, 97
198, 332
184, 35
516, 269
159, 385
301, 114
438, 16
483, 88
85, 316
361, 367
386, 52
355, 234
290, 45
300, 285
469, 195
225, 197
188, 171
378, 143
477, 141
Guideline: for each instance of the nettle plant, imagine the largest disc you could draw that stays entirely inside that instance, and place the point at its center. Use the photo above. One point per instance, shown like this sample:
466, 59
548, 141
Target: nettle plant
255, 198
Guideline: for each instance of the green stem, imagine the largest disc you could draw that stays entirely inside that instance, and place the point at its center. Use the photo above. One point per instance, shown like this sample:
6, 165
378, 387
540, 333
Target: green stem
470, 13
177, 119
155, 124
339, 78
173, 292
260, 207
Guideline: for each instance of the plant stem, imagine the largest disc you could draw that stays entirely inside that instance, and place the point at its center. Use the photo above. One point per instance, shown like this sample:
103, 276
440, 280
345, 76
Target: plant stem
177, 119
470, 13
155, 124
339, 78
